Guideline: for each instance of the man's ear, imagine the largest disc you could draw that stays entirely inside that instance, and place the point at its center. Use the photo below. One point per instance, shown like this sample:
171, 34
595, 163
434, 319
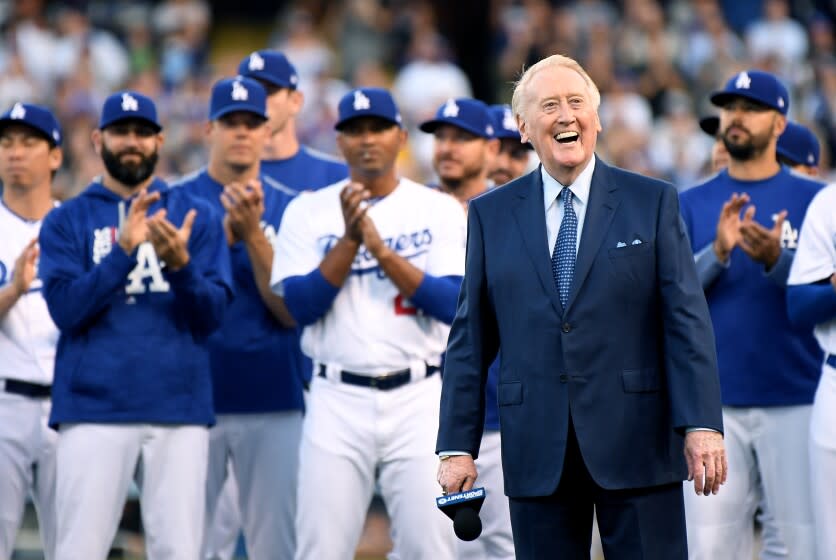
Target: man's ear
56, 158
96, 138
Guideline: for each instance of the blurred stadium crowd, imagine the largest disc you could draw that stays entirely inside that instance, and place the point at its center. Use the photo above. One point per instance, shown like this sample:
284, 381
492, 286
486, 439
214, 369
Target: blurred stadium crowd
654, 61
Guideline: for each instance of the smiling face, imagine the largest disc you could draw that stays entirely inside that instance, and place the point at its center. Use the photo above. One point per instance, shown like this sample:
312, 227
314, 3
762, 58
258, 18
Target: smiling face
460, 156
559, 117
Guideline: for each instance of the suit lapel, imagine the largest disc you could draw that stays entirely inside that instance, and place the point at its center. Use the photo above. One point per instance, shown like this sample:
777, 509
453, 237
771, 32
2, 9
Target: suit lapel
599, 214
531, 219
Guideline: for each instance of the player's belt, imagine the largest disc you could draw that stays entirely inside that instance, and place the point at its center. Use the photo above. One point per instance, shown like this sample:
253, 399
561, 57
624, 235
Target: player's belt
831, 360
384, 382
25, 388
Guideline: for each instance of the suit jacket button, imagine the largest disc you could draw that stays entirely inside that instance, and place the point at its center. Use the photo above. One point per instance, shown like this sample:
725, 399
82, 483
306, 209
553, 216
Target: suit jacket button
566, 327
564, 378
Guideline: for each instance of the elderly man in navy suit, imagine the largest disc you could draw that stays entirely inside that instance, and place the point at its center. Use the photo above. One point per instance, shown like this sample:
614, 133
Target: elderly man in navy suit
608, 391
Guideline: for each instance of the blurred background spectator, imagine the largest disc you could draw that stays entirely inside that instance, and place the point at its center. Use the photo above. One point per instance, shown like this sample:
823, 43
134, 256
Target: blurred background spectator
654, 60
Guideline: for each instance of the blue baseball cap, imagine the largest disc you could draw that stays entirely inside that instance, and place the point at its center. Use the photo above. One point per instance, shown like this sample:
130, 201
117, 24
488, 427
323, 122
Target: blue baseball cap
34, 116
126, 105
468, 114
799, 145
271, 66
755, 85
231, 95
367, 102
505, 125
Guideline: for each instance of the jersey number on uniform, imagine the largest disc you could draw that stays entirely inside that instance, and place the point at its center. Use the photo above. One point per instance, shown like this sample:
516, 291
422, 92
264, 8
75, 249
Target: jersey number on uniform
404, 307
148, 266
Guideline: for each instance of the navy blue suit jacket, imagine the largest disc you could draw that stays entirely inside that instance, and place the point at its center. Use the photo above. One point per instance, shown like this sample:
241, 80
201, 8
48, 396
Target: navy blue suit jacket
632, 356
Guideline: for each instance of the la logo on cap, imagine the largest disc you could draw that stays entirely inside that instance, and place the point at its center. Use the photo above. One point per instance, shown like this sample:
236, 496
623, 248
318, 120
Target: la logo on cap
18, 111
508, 122
256, 62
743, 81
239, 92
129, 102
451, 110
361, 102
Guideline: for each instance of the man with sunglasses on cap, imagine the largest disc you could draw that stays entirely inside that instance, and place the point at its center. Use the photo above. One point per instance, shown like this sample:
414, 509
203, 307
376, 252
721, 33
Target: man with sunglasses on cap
371, 268
136, 277
514, 155
256, 386
30, 155
768, 370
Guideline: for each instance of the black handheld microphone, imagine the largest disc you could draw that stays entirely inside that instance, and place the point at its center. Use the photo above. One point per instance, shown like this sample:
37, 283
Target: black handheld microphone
463, 508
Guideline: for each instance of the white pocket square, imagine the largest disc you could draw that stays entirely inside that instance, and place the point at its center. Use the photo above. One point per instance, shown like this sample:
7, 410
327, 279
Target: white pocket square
620, 244
636, 241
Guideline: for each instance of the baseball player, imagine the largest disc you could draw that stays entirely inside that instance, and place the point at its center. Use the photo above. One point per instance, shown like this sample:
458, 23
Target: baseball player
257, 388
371, 268
285, 160
464, 148
719, 155
136, 277
768, 370
30, 153
811, 303
291, 167
799, 149
512, 160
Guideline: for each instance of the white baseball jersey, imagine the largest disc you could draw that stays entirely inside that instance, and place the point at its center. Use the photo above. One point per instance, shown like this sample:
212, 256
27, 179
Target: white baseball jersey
27, 334
815, 257
370, 327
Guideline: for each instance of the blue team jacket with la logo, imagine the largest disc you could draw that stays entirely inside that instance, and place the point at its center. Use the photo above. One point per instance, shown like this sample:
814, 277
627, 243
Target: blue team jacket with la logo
132, 338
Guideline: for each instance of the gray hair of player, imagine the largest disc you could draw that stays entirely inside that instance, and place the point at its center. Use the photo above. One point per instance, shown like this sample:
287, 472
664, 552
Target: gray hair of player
520, 98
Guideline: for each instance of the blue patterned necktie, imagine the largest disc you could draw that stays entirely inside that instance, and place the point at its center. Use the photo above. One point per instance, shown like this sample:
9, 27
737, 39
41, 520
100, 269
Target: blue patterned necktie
563, 255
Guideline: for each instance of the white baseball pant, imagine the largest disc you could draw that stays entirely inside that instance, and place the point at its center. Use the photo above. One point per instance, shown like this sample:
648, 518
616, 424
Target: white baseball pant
264, 452
823, 463
27, 465
767, 450
221, 538
496, 540
96, 463
351, 435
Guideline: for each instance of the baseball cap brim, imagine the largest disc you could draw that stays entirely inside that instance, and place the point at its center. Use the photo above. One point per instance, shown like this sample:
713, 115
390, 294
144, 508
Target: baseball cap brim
722, 98
710, 125
432, 126
236, 108
40, 131
123, 118
269, 79
341, 124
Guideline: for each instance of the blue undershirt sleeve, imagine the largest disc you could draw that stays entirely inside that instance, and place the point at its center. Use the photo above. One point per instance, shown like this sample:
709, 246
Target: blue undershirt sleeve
811, 304
781, 271
308, 297
708, 267
437, 296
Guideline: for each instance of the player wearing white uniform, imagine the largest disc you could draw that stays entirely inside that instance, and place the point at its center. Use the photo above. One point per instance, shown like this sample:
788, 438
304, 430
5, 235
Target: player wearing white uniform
371, 268
135, 296
811, 303
30, 154
464, 148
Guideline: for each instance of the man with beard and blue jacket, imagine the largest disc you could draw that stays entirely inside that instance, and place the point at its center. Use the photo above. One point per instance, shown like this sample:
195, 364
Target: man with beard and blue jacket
136, 277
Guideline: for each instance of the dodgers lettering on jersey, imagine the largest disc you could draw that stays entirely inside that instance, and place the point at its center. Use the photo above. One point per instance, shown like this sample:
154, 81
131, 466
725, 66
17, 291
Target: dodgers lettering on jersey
27, 334
370, 326
815, 259
255, 361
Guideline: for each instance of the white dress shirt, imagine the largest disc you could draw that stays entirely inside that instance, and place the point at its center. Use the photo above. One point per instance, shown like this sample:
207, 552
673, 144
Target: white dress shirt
553, 203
